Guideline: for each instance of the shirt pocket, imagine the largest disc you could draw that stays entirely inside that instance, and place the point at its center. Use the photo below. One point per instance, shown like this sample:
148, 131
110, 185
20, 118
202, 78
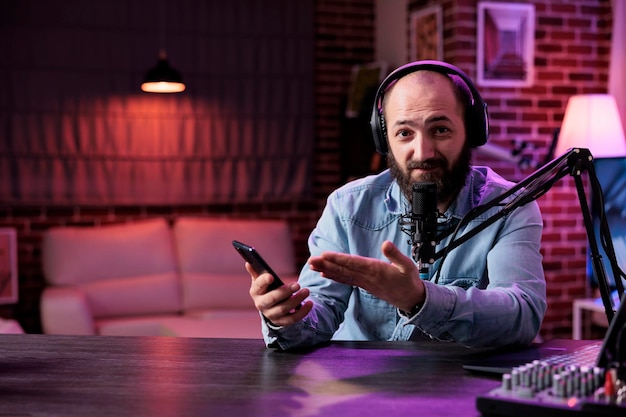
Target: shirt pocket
464, 283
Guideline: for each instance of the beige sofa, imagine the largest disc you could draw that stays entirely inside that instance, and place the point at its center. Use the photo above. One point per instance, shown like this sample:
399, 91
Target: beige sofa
150, 278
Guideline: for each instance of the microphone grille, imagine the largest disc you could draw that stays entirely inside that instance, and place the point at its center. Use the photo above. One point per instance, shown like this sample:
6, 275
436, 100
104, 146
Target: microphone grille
424, 198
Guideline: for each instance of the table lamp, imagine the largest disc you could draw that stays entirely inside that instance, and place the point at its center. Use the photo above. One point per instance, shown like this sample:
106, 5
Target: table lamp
592, 121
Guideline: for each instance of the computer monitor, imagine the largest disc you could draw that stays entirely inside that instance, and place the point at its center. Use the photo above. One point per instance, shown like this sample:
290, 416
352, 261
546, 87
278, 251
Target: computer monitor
611, 173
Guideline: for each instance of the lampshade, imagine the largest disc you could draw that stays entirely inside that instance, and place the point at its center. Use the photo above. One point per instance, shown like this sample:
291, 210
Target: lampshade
163, 78
592, 121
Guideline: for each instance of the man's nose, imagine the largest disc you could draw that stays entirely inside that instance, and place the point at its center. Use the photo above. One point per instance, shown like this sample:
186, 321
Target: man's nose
423, 148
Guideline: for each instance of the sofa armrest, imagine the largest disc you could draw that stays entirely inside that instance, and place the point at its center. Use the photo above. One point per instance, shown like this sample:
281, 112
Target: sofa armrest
66, 311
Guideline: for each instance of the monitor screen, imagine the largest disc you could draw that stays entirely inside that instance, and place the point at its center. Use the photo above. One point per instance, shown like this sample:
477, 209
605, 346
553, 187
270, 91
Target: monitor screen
611, 173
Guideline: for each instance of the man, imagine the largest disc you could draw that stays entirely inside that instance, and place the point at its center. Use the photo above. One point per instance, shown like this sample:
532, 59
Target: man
360, 282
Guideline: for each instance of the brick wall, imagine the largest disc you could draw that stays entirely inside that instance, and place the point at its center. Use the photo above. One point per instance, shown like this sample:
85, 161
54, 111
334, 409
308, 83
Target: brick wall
571, 56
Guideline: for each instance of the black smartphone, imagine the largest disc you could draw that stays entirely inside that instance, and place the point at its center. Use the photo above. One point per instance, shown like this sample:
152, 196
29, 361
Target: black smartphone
251, 256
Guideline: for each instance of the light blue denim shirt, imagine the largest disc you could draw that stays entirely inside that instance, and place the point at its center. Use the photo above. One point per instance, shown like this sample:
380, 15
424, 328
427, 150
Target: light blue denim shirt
491, 290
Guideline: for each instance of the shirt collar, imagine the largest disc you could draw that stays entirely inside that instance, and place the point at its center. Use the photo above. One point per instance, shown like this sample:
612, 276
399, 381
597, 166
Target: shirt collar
398, 204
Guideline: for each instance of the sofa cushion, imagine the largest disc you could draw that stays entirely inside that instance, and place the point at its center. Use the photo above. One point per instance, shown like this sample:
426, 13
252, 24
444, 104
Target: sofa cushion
213, 273
238, 324
77, 255
223, 291
148, 294
123, 269
65, 310
150, 325
232, 324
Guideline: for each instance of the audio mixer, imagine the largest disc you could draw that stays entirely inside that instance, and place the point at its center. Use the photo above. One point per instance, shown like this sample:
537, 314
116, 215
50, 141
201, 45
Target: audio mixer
540, 389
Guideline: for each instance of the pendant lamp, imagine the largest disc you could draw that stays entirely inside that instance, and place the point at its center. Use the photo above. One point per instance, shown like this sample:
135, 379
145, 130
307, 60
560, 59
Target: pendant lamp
163, 78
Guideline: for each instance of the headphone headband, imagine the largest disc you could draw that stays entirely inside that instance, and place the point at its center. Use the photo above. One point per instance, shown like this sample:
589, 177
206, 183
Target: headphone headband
476, 117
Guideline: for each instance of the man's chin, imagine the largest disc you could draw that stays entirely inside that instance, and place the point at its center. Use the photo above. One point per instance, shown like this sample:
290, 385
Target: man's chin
430, 176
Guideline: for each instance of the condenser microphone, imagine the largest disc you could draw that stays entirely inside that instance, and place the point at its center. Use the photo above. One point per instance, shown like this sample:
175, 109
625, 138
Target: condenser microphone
424, 216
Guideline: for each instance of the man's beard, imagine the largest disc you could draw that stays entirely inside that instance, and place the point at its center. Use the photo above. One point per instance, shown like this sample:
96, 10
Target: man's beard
449, 181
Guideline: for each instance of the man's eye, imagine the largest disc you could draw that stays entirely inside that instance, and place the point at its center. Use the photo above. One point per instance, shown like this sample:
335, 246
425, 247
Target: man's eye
441, 131
403, 133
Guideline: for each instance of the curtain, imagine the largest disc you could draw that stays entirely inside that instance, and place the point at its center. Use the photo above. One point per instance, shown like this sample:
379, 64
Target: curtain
76, 129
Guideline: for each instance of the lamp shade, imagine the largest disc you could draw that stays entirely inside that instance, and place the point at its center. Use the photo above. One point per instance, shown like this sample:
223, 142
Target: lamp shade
592, 121
163, 78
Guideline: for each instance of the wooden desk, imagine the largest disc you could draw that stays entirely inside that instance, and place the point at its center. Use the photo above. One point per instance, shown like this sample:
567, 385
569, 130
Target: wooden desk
176, 377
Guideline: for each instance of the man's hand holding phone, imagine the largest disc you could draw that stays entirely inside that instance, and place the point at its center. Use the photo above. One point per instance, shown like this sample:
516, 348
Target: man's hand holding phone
281, 304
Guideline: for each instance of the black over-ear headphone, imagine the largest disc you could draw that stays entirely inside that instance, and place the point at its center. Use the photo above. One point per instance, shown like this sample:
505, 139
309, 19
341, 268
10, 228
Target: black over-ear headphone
476, 117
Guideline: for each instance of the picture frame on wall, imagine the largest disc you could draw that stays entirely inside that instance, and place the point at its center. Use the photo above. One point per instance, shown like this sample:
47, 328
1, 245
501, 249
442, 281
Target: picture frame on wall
364, 81
8, 266
505, 44
426, 34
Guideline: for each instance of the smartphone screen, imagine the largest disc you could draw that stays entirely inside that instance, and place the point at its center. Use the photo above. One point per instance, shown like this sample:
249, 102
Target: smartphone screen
253, 257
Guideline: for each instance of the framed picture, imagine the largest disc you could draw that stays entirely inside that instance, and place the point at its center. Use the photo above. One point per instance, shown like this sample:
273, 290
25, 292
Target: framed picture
506, 44
8, 266
426, 32
364, 82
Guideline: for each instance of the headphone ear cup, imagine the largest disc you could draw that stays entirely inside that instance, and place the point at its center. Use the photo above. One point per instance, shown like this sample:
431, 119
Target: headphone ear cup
379, 131
478, 124
485, 125
384, 146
